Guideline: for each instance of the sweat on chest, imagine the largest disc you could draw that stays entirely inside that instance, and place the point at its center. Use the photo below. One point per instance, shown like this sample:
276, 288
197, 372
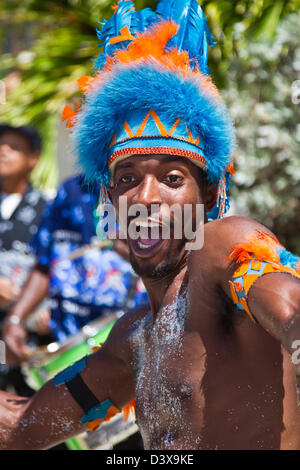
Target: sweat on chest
175, 368
169, 390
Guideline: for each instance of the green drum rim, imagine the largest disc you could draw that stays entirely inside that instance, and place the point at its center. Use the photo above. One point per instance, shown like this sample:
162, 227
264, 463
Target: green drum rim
76, 353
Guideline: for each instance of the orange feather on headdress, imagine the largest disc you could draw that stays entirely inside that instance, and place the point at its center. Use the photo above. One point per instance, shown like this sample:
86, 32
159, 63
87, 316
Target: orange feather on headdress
151, 46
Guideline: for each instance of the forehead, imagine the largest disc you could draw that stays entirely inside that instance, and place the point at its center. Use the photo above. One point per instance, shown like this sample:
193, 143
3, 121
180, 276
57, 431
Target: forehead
12, 137
153, 161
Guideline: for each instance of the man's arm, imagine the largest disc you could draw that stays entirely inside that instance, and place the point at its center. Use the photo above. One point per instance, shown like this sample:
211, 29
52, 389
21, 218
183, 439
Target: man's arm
8, 292
53, 415
263, 268
274, 300
37, 284
32, 294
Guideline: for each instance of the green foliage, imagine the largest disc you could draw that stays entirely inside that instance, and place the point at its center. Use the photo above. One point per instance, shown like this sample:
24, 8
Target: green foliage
268, 125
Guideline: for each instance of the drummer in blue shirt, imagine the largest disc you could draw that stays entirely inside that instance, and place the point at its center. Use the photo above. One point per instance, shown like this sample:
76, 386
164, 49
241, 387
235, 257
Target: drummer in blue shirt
81, 288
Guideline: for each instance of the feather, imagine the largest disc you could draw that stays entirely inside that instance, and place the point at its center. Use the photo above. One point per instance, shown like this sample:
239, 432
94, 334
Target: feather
288, 259
84, 82
112, 33
262, 245
68, 115
120, 19
130, 408
106, 108
149, 44
141, 20
112, 28
193, 35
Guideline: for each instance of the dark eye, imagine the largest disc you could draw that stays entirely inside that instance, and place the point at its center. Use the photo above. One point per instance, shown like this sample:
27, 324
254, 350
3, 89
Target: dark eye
174, 179
126, 179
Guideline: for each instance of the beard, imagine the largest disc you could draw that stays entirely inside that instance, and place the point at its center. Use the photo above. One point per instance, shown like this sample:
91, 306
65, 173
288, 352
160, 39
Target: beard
149, 270
156, 272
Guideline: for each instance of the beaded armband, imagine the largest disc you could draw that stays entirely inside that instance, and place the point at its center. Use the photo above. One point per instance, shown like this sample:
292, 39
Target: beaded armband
261, 254
95, 412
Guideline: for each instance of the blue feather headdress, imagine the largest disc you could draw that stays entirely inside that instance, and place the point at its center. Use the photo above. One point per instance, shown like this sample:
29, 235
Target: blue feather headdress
152, 94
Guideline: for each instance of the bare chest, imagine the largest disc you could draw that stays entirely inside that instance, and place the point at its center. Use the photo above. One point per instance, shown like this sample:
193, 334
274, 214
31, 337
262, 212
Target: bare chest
169, 364
199, 390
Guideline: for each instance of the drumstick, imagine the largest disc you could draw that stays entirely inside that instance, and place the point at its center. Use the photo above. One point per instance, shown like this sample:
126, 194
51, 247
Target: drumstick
42, 350
100, 244
54, 348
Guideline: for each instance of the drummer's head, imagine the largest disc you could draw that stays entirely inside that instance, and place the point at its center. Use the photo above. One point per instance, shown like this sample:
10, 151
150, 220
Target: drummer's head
20, 148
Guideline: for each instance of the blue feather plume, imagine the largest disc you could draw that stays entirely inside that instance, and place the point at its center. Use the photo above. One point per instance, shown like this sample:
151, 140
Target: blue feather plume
193, 35
106, 110
141, 20
111, 28
125, 16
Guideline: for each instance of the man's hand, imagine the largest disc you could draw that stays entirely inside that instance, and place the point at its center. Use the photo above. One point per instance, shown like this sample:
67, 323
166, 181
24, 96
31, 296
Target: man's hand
8, 292
32, 294
43, 319
15, 338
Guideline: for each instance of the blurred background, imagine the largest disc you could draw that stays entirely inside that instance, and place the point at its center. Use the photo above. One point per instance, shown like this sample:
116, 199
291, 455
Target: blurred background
45, 45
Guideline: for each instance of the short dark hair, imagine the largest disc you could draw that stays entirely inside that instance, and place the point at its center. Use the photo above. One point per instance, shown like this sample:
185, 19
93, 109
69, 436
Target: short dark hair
29, 132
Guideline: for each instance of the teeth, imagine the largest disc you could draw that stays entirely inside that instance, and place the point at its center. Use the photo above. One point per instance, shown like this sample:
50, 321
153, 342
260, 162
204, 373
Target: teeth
141, 245
147, 224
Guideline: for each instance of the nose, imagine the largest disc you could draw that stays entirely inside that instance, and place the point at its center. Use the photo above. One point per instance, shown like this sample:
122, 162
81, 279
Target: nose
4, 148
148, 192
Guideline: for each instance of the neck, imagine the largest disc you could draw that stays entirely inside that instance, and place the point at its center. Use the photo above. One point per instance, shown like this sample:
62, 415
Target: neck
14, 185
157, 288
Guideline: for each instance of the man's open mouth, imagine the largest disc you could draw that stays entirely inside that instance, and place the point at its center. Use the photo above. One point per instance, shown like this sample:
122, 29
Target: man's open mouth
146, 237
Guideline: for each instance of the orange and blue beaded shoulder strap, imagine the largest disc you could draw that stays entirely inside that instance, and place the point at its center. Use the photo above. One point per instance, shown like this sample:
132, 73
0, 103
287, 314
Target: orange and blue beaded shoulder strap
260, 254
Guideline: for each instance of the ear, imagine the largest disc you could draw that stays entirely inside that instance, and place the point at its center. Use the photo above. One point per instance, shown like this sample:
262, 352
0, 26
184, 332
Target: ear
33, 160
210, 197
113, 199
110, 194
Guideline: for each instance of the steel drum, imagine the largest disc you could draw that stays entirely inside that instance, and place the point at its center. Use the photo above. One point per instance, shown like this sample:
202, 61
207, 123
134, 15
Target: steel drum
46, 362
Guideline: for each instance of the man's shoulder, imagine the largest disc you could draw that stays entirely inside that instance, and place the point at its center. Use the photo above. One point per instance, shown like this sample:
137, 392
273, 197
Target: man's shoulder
132, 319
221, 237
121, 338
128, 323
